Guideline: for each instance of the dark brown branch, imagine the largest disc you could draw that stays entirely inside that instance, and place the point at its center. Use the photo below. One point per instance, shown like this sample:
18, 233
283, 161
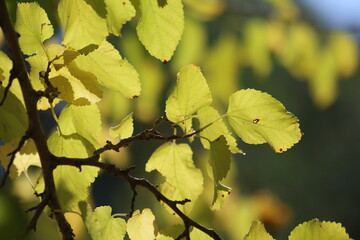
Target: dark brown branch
124, 173
30, 99
13, 154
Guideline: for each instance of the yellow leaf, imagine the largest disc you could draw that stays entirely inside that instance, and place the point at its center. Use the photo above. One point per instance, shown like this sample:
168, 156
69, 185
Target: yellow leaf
33, 26
141, 225
83, 26
118, 13
160, 27
124, 129
258, 232
257, 118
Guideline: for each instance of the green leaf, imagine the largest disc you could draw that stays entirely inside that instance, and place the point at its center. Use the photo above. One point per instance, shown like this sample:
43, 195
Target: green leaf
5, 67
199, 235
13, 118
219, 163
83, 26
207, 115
141, 225
257, 118
319, 230
71, 184
183, 179
258, 232
112, 72
190, 94
33, 26
160, 28
118, 13
82, 120
101, 225
170, 233
124, 129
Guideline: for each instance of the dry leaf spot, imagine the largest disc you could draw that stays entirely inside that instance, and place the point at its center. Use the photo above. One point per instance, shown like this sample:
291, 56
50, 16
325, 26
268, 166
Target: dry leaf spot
256, 120
281, 150
302, 133
135, 96
165, 61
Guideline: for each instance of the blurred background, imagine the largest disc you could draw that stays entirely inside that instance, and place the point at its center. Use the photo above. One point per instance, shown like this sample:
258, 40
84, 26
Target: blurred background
304, 53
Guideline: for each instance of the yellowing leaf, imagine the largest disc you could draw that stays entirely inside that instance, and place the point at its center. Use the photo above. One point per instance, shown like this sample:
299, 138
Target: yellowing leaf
319, 230
257, 118
160, 28
33, 26
82, 120
219, 164
258, 232
101, 225
141, 225
207, 115
190, 94
183, 179
83, 26
118, 13
71, 184
199, 235
5, 67
124, 129
112, 72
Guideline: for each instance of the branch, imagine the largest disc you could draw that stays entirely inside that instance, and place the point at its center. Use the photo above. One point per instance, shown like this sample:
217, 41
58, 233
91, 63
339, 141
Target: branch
7, 88
134, 181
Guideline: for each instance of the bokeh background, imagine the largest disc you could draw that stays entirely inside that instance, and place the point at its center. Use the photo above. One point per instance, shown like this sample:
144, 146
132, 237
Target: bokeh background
304, 53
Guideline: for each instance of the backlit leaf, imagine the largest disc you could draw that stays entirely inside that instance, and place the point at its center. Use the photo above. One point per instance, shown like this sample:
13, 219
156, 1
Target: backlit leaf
319, 230
33, 26
141, 225
257, 118
118, 13
83, 26
112, 72
219, 163
199, 235
190, 94
160, 27
183, 179
82, 120
101, 225
207, 115
124, 129
72, 185
258, 232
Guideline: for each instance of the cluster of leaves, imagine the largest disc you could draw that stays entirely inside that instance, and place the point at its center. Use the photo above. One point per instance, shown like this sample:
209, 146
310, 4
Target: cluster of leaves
79, 69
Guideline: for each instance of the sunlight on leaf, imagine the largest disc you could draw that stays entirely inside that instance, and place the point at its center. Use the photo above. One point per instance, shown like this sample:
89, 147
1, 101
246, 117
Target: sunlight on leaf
199, 235
124, 129
257, 118
112, 72
33, 26
219, 163
102, 225
71, 184
83, 26
258, 232
141, 225
183, 179
208, 115
160, 28
319, 230
190, 94
118, 13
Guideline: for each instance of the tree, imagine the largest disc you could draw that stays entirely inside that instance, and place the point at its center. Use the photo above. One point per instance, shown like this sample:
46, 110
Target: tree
80, 72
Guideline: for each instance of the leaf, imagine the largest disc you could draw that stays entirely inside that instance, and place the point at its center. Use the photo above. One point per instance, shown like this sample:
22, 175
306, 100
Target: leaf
83, 26
101, 225
199, 235
171, 232
5, 67
258, 232
13, 118
207, 115
33, 26
141, 225
319, 230
112, 72
160, 28
118, 13
257, 118
219, 163
71, 184
190, 94
82, 120
124, 129
183, 179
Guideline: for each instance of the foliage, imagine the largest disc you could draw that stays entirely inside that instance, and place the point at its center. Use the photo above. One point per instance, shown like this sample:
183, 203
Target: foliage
85, 68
